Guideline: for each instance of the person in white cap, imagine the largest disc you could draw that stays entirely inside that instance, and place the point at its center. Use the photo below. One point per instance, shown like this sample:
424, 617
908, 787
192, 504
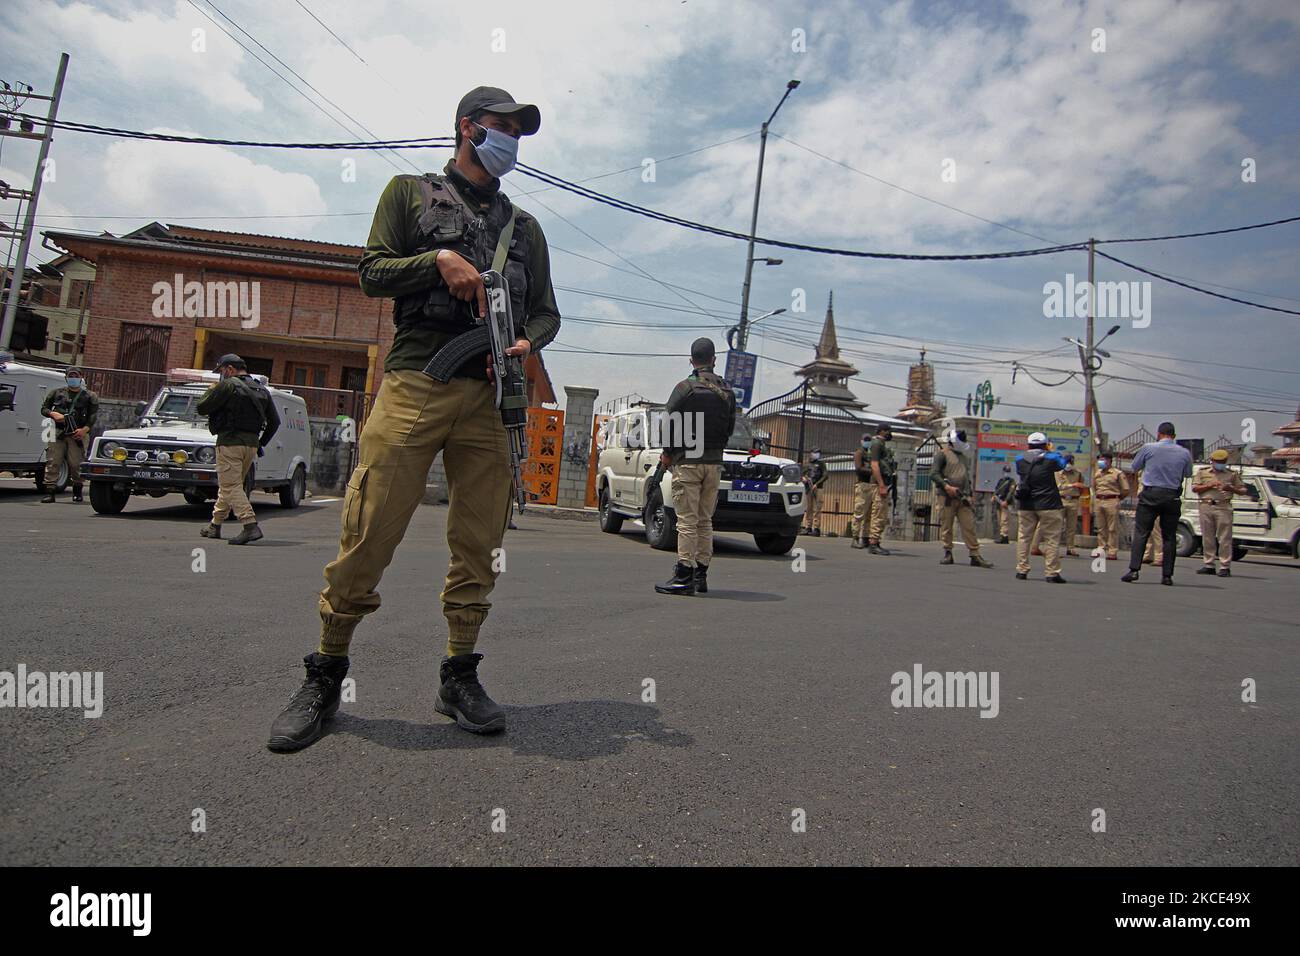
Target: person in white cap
1039, 499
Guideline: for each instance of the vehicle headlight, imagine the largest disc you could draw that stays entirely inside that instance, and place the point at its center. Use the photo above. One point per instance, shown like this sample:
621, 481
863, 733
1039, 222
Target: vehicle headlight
109, 449
180, 457
161, 455
142, 456
790, 472
207, 455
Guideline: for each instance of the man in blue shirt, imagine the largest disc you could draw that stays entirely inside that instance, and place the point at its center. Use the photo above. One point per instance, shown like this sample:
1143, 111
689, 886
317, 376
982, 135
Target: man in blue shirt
1163, 465
1039, 499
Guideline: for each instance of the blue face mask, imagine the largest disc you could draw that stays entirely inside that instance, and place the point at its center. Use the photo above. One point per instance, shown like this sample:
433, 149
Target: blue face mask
1219, 466
498, 152
73, 382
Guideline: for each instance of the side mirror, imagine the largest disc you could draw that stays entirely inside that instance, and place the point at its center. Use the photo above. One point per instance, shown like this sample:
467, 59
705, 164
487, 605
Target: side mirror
140, 407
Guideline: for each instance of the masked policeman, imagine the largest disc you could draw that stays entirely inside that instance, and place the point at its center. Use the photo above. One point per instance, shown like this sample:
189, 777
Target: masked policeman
73, 409
1003, 494
1071, 485
1215, 486
710, 404
875, 467
432, 237
951, 477
814, 476
1109, 488
243, 417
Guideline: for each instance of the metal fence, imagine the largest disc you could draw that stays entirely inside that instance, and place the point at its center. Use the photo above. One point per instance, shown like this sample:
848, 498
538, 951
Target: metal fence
123, 384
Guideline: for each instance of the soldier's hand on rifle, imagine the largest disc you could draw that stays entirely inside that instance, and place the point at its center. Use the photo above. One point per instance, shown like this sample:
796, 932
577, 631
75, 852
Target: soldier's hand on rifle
463, 280
521, 348
57, 416
665, 460
81, 432
950, 490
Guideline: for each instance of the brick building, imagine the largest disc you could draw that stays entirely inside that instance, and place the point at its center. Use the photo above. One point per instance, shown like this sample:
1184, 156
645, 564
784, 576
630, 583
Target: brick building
177, 297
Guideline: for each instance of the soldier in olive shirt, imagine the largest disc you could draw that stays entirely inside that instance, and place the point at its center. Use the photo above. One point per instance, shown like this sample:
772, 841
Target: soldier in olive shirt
431, 239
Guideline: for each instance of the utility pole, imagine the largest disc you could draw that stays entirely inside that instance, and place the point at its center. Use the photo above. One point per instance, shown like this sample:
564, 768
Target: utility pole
1087, 382
25, 131
742, 336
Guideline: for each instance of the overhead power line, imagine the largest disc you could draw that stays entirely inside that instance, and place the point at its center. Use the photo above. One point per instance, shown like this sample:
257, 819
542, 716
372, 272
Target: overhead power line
1186, 285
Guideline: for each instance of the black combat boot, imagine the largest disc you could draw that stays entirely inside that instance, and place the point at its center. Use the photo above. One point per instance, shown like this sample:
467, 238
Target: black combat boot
300, 723
876, 549
701, 579
463, 697
816, 532
1022, 575
210, 531
1003, 540
251, 532
1054, 579
1167, 581
682, 581
1205, 569
1225, 572
76, 493
977, 561
857, 543
48, 498
947, 558
1129, 576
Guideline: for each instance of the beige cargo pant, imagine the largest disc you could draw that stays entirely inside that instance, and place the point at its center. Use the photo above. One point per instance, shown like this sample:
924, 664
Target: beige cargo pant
1155, 552
814, 509
1216, 534
414, 418
1032, 525
695, 497
868, 512
233, 462
1070, 518
1004, 521
56, 453
965, 516
1107, 515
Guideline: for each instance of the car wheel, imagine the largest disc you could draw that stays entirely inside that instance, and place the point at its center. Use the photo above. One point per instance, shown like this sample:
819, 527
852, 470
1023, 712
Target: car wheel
291, 495
610, 522
660, 523
775, 543
196, 499
106, 499
1186, 542
1239, 553
248, 479
60, 482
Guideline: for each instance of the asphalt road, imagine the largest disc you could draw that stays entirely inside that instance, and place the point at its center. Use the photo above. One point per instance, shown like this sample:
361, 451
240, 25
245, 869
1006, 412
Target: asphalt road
772, 696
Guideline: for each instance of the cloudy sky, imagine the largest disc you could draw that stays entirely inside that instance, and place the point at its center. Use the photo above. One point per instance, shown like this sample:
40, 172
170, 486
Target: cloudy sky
938, 128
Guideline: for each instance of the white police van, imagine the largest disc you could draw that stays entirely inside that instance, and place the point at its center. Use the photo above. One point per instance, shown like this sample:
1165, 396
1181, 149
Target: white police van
22, 440
172, 450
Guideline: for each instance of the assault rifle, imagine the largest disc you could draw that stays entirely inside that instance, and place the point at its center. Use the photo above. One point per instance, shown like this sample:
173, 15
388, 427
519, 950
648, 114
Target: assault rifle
494, 335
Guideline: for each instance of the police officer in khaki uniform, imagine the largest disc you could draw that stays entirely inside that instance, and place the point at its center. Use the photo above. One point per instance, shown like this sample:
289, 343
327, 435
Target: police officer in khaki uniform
875, 468
953, 483
243, 417
73, 410
1070, 483
1109, 487
1215, 485
432, 238
710, 404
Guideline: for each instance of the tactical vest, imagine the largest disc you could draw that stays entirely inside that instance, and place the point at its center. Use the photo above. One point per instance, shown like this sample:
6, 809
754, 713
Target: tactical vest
243, 411
74, 408
711, 398
448, 222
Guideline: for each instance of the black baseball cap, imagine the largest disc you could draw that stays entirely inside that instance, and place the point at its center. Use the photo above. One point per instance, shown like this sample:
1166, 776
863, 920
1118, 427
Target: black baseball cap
492, 99
229, 358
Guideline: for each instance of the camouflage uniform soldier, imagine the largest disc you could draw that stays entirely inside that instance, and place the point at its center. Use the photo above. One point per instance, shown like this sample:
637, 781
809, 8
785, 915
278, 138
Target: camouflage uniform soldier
1004, 493
952, 481
1216, 485
875, 467
1109, 487
73, 410
814, 476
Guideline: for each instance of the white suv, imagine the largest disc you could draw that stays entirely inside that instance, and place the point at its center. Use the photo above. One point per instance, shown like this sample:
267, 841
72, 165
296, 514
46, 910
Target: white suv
759, 494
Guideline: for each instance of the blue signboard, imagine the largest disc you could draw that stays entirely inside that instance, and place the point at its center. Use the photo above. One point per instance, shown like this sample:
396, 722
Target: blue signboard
741, 367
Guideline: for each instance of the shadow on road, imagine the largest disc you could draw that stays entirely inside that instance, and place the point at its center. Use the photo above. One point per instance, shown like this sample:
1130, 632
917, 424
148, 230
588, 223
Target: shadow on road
714, 594
571, 730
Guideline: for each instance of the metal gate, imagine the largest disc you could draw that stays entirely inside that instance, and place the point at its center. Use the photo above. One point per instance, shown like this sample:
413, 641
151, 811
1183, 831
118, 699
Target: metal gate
541, 472
925, 516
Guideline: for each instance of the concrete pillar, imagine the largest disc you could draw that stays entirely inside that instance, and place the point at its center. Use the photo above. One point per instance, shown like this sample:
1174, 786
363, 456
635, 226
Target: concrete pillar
579, 413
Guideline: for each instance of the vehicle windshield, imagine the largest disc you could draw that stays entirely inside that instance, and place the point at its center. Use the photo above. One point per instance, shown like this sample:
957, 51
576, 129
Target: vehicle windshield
744, 436
177, 406
1284, 487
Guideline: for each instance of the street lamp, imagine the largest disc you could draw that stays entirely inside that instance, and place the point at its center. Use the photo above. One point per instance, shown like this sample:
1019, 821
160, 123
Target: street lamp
743, 327
731, 332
